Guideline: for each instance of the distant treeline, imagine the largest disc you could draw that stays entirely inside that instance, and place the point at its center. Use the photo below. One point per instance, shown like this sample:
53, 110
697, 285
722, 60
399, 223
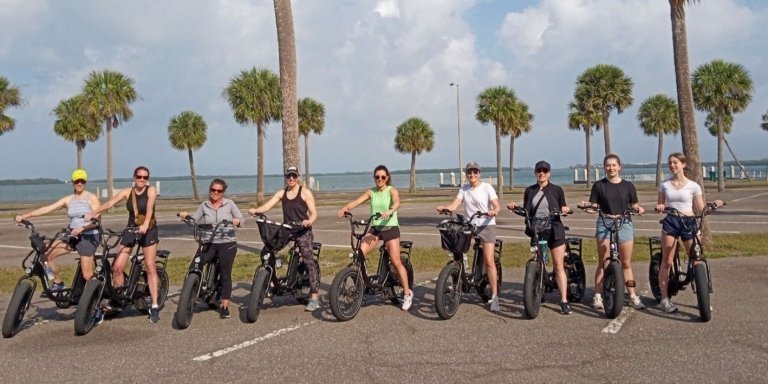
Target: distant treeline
39, 181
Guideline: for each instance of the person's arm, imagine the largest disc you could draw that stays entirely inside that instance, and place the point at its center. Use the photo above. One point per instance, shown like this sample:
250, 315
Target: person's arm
311, 208
452, 207
264, 208
661, 200
634, 201
353, 204
61, 203
698, 200
561, 202
237, 217
395, 195
109, 204
495, 208
151, 197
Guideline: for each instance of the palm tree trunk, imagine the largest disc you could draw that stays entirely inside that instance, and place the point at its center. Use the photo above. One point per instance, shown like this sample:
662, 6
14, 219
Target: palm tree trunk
720, 165
587, 134
741, 167
306, 161
658, 158
192, 173
499, 185
412, 184
80, 145
286, 42
606, 133
511, 160
260, 163
110, 184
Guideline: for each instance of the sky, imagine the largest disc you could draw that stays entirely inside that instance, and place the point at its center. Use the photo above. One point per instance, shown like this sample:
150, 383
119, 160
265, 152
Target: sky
373, 64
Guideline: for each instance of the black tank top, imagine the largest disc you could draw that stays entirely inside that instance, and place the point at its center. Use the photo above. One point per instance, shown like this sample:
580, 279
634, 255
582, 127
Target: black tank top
141, 205
294, 209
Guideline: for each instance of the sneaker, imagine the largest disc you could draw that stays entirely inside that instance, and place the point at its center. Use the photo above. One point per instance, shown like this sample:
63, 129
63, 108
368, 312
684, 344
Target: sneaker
407, 301
99, 318
313, 305
667, 305
154, 315
565, 308
635, 301
57, 286
494, 303
597, 301
224, 313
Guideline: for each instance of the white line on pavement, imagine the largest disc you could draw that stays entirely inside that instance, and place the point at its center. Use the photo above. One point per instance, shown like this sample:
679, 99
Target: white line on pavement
273, 334
615, 325
749, 197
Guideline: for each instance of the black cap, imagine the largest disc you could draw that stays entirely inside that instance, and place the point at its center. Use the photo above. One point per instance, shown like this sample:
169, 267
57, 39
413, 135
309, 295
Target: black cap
291, 170
542, 165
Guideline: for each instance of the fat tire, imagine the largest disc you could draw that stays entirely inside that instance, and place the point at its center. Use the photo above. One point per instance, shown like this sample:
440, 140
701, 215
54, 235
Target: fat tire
578, 281
17, 307
613, 290
532, 288
186, 308
258, 291
345, 301
701, 283
448, 291
653, 276
85, 315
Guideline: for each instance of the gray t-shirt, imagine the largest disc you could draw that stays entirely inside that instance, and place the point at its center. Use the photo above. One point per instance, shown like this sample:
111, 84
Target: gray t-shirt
543, 210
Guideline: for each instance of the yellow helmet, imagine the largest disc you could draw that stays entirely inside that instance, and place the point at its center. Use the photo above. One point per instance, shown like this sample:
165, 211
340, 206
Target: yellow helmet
79, 174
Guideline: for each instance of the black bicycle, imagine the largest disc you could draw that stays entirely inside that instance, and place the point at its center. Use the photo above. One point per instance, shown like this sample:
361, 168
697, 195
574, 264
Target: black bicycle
352, 283
203, 281
697, 272
295, 282
456, 234
34, 267
537, 280
101, 298
613, 276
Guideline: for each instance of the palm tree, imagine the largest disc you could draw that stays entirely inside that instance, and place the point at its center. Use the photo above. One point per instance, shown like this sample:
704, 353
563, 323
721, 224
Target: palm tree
76, 126
286, 42
311, 120
107, 95
497, 105
604, 88
582, 119
722, 89
658, 117
520, 122
187, 130
254, 96
10, 96
414, 136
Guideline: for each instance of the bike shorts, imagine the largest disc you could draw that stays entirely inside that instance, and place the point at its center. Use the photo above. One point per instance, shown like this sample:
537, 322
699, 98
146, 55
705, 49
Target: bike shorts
144, 240
626, 233
553, 241
385, 233
85, 244
682, 227
487, 234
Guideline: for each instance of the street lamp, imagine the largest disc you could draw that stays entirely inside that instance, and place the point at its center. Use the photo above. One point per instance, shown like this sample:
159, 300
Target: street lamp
458, 126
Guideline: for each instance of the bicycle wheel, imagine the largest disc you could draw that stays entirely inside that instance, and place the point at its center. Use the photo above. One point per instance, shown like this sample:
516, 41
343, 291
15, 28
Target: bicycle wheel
532, 289
258, 291
577, 280
484, 289
85, 315
653, 275
395, 292
346, 296
448, 291
17, 307
613, 290
186, 307
701, 283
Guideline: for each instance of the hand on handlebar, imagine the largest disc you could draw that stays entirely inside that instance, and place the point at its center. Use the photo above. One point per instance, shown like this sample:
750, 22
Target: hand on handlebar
343, 212
443, 210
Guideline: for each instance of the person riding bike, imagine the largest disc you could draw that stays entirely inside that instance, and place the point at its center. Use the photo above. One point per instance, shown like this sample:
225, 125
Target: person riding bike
614, 195
298, 206
385, 199
224, 246
479, 196
539, 200
83, 239
141, 213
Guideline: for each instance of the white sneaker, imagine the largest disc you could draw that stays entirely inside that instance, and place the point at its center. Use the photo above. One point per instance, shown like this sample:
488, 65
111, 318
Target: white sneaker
407, 301
635, 301
597, 301
667, 305
494, 303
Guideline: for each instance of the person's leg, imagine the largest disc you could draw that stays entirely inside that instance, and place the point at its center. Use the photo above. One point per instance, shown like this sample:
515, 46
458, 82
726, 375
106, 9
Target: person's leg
603, 253
150, 255
305, 243
625, 255
369, 243
558, 257
58, 248
393, 249
490, 266
227, 253
118, 265
668, 246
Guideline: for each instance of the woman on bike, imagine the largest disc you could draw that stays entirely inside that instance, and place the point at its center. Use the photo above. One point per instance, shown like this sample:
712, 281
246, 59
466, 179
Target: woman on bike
141, 213
224, 246
83, 239
687, 197
614, 195
479, 196
299, 206
539, 200
385, 199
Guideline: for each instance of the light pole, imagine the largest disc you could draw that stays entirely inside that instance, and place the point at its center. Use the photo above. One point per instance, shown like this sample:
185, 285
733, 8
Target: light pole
458, 126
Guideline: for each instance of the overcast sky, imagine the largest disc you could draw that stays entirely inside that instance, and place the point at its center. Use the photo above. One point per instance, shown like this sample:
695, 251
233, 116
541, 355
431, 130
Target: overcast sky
373, 64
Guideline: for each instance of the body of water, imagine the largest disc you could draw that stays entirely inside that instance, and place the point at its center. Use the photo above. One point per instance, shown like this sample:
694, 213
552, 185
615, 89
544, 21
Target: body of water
327, 182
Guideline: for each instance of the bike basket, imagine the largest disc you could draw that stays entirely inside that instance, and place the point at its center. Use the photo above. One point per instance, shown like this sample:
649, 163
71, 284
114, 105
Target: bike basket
274, 235
455, 237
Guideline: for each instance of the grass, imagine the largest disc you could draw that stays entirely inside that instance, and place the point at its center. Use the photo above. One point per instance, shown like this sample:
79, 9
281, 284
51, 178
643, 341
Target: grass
427, 259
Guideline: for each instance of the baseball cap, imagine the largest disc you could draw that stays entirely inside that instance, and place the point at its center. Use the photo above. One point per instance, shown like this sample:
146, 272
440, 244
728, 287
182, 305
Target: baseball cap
290, 170
79, 174
542, 165
472, 165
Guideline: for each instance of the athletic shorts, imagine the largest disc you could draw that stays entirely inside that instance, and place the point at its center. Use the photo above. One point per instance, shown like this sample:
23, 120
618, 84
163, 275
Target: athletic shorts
682, 227
487, 233
144, 240
85, 244
385, 233
626, 233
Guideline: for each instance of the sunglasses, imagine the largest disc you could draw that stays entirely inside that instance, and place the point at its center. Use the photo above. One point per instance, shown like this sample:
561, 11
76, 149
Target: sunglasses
542, 170
380, 177
81, 181
473, 172
141, 177
216, 190
291, 176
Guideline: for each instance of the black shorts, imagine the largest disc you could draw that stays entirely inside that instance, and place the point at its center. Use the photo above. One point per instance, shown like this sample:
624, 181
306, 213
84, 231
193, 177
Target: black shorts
553, 240
385, 233
85, 244
150, 238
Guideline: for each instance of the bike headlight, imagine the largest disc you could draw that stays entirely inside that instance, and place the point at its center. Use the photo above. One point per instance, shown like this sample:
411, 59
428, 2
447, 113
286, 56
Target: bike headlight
351, 255
28, 270
533, 249
98, 269
197, 259
265, 257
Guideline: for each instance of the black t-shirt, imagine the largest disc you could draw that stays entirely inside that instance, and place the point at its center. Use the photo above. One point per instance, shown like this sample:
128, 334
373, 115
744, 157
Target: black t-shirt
555, 198
613, 198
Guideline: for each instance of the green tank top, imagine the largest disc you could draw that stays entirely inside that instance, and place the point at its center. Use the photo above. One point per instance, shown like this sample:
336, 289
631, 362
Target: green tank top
380, 202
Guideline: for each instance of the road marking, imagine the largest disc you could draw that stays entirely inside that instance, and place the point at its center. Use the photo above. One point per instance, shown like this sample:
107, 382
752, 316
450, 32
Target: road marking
236, 347
749, 197
12, 247
615, 325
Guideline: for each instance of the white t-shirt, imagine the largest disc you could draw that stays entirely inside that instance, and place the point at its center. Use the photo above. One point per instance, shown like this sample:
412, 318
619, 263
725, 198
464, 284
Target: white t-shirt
680, 199
478, 199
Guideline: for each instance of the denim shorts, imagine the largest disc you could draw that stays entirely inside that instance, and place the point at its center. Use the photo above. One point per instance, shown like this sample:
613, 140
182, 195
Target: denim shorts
626, 233
682, 227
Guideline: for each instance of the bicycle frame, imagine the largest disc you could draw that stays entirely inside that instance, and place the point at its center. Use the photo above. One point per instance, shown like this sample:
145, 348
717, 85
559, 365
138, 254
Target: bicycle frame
476, 276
